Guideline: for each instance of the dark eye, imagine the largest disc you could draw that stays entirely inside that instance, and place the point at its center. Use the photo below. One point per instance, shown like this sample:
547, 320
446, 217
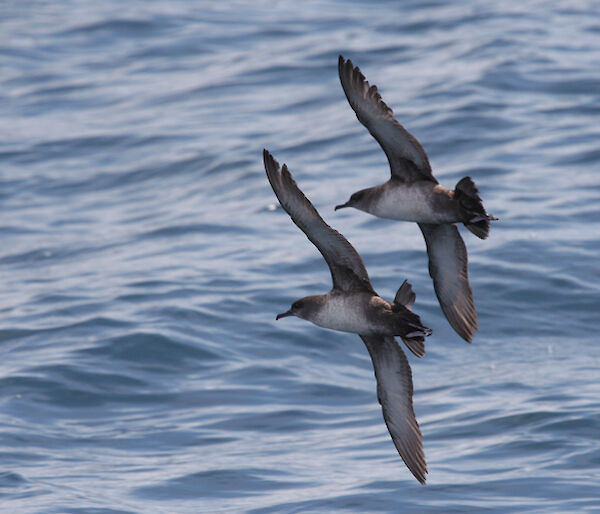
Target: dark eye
356, 197
297, 305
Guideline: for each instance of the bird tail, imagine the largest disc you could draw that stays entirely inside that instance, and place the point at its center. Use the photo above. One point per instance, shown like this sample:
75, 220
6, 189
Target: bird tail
414, 335
411, 329
471, 208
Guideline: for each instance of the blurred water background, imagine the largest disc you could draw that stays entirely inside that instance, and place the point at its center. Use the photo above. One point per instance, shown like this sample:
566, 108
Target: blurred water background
144, 257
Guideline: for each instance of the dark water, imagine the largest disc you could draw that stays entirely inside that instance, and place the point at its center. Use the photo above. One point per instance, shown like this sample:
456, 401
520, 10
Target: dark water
143, 257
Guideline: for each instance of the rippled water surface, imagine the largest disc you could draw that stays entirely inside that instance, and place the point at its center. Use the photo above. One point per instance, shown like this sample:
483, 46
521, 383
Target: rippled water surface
144, 256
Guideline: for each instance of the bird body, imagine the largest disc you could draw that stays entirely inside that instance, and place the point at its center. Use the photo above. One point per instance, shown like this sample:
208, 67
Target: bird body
360, 312
414, 194
353, 306
421, 201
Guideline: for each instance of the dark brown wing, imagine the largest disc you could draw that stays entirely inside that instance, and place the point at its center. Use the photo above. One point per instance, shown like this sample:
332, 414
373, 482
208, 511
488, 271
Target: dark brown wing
395, 392
348, 271
408, 161
449, 269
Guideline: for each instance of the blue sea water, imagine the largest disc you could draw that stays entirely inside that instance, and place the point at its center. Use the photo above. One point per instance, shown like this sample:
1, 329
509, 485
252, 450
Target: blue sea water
144, 256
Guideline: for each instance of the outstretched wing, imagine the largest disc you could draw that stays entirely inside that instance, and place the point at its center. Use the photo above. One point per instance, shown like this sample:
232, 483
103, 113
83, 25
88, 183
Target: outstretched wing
448, 267
347, 268
395, 391
408, 161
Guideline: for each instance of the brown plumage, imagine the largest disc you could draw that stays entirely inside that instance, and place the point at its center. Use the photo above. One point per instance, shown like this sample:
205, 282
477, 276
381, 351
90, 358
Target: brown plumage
353, 306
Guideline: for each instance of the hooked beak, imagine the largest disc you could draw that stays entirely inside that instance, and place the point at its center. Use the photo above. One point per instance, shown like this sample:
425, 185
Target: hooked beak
284, 315
347, 204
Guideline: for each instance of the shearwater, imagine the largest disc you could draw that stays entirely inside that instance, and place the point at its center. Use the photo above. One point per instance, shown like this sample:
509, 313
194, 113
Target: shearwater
414, 194
353, 306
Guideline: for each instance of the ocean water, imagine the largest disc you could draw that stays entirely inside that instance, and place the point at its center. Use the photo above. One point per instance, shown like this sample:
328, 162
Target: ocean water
144, 256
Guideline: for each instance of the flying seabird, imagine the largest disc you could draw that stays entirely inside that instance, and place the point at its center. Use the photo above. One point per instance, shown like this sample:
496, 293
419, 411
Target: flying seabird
353, 306
413, 194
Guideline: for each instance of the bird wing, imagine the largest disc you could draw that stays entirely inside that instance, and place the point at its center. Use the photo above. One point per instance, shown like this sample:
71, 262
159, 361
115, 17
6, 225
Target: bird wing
448, 267
348, 271
394, 392
408, 161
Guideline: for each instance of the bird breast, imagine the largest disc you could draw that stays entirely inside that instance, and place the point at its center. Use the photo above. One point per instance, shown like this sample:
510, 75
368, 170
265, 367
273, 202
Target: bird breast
422, 202
356, 313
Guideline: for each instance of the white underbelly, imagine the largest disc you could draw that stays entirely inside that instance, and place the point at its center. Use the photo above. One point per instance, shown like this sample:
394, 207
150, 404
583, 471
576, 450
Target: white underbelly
344, 313
414, 203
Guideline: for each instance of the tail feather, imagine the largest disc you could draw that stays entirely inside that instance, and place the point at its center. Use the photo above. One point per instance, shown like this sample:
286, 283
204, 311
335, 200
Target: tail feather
416, 346
413, 332
471, 208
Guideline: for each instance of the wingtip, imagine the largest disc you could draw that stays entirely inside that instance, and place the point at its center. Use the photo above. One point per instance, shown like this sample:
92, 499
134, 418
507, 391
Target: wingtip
344, 63
272, 169
341, 62
416, 463
269, 160
465, 328
420, 475
266, 155
405, 295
